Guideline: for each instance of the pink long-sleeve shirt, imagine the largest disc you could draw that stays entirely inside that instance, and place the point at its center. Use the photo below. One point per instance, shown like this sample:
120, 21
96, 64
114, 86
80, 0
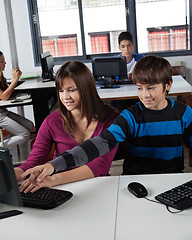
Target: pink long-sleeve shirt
52, 131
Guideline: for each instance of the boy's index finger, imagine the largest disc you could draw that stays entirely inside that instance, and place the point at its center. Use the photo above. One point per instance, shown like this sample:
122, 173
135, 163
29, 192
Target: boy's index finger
27, 173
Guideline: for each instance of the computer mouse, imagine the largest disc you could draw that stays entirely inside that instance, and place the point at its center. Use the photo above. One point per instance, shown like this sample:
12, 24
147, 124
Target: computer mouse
137, 189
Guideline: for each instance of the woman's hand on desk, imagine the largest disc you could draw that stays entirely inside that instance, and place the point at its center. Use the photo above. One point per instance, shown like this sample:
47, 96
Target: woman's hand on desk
36, 177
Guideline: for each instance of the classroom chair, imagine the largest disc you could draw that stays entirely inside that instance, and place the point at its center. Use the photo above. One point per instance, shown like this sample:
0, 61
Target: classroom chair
179, 70
5, 134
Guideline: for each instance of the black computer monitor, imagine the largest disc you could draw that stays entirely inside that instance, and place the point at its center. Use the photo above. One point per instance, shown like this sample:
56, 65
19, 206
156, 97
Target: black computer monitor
47, 64
9, 189
107, 69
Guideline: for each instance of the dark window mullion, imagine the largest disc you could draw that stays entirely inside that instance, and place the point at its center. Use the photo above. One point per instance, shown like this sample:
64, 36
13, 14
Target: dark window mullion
35, 30
82, 28
190, 24
131, 21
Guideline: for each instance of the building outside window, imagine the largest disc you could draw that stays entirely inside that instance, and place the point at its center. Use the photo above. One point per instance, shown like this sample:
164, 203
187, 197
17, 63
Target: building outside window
168, 38
100, 43
60, 45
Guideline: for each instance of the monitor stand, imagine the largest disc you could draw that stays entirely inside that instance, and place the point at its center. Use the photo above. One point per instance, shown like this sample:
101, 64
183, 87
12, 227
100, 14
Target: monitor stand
108, 83
48, 77
48, 80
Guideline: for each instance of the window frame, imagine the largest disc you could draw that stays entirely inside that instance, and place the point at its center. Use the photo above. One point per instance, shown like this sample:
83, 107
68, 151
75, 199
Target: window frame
130, 7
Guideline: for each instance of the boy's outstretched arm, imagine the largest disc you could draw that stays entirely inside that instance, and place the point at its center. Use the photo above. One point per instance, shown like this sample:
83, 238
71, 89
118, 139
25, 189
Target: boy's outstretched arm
40, 172
82, 154
93, 147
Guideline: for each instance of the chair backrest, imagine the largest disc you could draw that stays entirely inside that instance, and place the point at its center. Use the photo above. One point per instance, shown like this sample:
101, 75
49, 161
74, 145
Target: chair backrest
179, 70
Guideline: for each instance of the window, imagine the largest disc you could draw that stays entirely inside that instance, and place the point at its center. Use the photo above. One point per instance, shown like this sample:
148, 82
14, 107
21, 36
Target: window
81, 29
163, 26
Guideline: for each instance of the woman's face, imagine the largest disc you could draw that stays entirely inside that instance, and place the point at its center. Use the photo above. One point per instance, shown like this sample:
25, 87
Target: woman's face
2, 62
69, 95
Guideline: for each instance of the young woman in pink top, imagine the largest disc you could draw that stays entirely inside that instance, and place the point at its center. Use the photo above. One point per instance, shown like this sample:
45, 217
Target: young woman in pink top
81, 115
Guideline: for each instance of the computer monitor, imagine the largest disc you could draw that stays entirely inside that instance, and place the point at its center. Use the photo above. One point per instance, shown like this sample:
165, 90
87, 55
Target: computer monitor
47, 64
9, 189
107, 69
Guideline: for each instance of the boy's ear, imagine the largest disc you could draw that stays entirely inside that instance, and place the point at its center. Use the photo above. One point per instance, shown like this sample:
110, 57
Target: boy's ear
168, 86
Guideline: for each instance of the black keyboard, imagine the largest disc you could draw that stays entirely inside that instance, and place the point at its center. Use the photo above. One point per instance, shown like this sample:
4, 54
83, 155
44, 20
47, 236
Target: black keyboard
45, 198
179, 197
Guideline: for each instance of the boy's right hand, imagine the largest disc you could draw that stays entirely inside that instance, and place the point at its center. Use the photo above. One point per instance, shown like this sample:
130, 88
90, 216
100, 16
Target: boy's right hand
40, 172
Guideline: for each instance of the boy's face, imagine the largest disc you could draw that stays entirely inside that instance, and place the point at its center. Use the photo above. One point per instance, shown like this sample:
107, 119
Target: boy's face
126, 47
153, 96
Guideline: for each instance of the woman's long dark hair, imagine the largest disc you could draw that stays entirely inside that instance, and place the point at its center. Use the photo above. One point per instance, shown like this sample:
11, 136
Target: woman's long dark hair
3, 81
92, 107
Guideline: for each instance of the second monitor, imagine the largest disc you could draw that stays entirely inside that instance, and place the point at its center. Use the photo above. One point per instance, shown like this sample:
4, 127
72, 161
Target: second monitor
47, 64
108, 69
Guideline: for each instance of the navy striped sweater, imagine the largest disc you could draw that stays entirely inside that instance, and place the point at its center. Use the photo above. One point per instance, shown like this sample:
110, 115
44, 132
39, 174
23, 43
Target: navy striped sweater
154, 140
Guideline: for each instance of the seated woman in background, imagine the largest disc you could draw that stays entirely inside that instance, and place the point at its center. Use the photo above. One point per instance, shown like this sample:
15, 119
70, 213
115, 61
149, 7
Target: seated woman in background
18, 126
81, 115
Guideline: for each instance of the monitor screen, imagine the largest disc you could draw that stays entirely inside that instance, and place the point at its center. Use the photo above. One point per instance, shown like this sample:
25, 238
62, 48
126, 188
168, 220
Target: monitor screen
108, 69
9, 189
47, 64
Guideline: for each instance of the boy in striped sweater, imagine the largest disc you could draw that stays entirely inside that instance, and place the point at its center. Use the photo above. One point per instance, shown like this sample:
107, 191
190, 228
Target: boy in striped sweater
154, 129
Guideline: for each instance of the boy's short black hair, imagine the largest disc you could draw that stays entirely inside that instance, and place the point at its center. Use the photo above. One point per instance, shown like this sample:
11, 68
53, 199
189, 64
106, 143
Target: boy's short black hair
152, 70
125, 36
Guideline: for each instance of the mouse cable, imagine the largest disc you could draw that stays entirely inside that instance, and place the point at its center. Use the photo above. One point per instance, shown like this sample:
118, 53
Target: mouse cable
168, 209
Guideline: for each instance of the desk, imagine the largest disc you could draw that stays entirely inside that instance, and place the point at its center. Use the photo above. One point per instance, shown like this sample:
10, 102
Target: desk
19, 105
141, 219
41, 102
43, 96
8, 103
89, 215
102, 208
180, 87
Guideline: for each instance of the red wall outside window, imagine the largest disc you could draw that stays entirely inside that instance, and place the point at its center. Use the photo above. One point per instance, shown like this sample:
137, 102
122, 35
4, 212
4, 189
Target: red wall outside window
159, 41
48, 45
179, 39
167, 38
60, 46
99, 43
67, 47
